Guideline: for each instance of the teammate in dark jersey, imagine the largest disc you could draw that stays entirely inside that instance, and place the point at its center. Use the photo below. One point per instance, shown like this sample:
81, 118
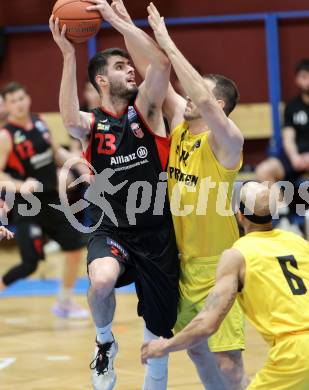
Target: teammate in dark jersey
28, 166
128, 149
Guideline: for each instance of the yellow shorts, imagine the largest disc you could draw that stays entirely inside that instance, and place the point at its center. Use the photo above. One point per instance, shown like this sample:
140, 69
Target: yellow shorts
287, 366
196, 280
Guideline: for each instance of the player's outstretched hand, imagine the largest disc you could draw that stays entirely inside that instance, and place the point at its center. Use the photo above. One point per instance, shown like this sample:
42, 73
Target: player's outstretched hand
64, 44
5, 233
103, 7
158, 25
120, 10
153, 349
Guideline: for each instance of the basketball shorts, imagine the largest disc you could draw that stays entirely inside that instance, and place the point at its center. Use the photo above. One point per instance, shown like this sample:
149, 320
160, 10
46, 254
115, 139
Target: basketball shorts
50, 222
150, 260
287, 366
197, 278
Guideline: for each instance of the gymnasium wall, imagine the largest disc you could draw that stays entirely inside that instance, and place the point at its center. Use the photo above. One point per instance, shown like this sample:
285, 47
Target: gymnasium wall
236, 50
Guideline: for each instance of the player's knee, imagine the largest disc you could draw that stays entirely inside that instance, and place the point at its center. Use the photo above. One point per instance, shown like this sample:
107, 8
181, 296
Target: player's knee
198, 352
28, 269
231, 367
103, 284
157, 368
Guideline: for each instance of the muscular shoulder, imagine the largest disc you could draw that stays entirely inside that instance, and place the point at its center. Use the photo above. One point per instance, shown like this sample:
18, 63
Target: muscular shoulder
5, 138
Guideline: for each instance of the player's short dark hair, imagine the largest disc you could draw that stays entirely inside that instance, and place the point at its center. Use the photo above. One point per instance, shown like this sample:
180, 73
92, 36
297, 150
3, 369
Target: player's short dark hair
98, 63
12, 87
302, 65
225, 90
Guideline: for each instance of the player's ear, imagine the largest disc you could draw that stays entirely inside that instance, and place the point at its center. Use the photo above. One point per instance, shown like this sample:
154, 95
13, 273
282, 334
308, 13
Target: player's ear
240, 218
29, 99
101, 80
221, 103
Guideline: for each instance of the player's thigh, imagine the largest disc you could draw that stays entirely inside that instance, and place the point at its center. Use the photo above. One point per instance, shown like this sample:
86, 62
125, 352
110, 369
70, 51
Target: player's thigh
58, 228
107, 260
230, 336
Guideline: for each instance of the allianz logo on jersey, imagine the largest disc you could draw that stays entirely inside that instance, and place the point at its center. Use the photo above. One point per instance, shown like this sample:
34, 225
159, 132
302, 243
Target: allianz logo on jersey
141, 153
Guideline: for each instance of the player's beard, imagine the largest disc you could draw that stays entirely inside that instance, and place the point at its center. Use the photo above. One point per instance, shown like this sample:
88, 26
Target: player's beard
189, 116
120, 90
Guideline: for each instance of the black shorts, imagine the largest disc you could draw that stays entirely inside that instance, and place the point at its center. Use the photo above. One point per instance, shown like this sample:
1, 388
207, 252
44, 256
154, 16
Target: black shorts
50, 222
150, 260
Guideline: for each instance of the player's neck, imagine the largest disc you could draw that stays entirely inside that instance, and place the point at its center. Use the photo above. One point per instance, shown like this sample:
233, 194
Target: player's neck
114, 105
21, 121
258, 228
305, 98
3, 122
197, 126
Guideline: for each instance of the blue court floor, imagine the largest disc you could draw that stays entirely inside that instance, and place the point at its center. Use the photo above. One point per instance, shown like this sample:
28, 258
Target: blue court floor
47, 287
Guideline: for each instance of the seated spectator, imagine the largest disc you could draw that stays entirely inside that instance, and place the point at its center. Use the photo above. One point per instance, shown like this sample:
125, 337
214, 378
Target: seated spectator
293, 161
3, 113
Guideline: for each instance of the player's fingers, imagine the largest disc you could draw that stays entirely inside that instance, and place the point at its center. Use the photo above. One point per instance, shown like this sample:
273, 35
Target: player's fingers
93, 1
154, 10
52, 24
150, 13
151, 22
63, 31
51, 20
93, 8
56, 26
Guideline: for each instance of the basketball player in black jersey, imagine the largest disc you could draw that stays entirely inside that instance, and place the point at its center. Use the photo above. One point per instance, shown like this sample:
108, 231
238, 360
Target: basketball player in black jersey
126, 143
28, 164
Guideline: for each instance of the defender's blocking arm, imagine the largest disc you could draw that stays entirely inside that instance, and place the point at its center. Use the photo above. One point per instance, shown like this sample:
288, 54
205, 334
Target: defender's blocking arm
226, 133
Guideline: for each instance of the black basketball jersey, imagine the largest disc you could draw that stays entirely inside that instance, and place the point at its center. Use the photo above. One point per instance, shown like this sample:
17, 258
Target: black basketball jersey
31, 154
127, 159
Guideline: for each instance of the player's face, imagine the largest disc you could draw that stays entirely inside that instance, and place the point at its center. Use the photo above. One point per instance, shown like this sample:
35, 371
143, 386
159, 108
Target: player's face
191, 111
302, 81
121, 77
18, 104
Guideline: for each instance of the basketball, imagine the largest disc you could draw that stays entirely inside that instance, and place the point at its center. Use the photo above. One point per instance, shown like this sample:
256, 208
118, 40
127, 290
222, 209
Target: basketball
81, 24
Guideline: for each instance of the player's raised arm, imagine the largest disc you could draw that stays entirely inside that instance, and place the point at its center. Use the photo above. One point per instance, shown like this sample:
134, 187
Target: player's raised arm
226, 133
77, 122
152, 91
174, 104
218, 303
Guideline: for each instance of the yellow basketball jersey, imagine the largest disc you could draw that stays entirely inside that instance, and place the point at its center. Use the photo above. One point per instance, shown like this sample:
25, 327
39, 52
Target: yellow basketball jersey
200, 191
275, 295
